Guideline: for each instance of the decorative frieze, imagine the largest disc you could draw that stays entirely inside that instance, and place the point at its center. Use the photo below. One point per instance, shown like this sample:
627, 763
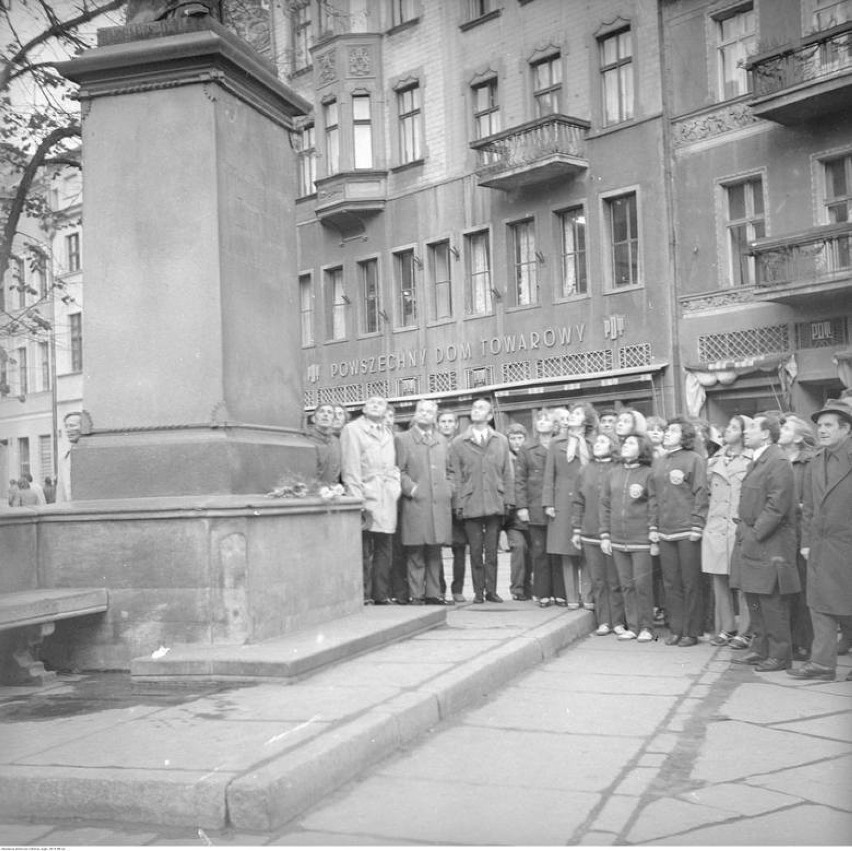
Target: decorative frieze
732, 117
713, 301
361, 62
326, 65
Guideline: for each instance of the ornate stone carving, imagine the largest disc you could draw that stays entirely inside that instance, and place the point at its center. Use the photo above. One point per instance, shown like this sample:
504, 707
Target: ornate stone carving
251, 21
326, 64
693, 304
724, 120
360, 62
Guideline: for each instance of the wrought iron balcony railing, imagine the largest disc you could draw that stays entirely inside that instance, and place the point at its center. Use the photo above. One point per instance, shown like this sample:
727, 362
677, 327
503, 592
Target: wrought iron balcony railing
536, 150
816, 57
817, 257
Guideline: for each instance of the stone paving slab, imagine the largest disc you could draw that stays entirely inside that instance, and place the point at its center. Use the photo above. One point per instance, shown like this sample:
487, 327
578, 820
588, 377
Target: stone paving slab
759, 703
733, 798
592, 683
825, 782
669, 817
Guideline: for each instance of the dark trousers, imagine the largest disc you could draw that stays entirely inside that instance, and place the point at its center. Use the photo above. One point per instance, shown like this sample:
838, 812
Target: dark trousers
377, 550
547, 569
399, 569
483, 533
824, 650
606, 588
458, 548
637, 586
424, 568
770, 623
801, 626
520, 577
681, 562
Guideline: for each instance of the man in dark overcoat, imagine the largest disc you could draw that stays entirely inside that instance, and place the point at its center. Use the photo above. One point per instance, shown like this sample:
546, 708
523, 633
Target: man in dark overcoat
764, 558
483, 491
827, 538
426, 504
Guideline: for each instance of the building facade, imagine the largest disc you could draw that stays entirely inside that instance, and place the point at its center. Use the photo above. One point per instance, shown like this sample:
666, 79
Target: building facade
41, 334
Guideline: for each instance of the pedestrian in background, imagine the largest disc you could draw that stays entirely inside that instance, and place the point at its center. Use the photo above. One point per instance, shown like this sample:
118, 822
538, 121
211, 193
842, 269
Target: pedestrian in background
49, 489
680, 482
764, 561
517, 528
448, 426
321, 433
827, 538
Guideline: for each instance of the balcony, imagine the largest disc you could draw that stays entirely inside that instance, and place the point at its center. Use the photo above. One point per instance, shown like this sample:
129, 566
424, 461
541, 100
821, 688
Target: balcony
345, 199
799, 267
549, 148
805, 80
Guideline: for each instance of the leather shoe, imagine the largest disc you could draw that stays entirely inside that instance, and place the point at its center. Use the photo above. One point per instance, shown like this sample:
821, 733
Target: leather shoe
520, 598
772, 664
434, 601
688, 641
810, 671
477, 598
672, 640
494, 598
749, 659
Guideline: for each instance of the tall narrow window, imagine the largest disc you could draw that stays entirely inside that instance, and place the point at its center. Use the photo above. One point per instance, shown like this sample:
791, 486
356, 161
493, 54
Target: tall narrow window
406, 294
478, 260
336, 304
306, 309
737, 39
302, 34
308, 161
746, 222
402, 11
370, 301
486, 109
45, 454
478, 8
24, 455
362, 130
44, 363
574, 275
524, 262
75, 321
831, 13
410, 123
332, 138
72, 251
23, 372
440, 280
21, 281
624, 240
838, 189
547, 86
616, 58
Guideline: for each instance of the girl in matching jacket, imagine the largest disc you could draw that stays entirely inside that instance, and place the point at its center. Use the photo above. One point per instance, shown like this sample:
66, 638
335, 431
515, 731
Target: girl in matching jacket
606, 590
628, 528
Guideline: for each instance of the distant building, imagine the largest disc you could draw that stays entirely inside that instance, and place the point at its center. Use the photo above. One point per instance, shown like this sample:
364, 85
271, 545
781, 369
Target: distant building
41, 333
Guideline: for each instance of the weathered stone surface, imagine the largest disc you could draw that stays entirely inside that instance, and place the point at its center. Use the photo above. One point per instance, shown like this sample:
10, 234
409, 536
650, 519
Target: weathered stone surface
828, 782
670, 817
747, 802
763, 703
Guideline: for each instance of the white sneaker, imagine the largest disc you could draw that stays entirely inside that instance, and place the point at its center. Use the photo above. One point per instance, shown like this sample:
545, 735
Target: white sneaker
627, 635
645, 635
618, 629
603, 629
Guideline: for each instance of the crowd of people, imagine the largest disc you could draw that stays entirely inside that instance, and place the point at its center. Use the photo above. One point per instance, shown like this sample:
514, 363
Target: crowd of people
742, 533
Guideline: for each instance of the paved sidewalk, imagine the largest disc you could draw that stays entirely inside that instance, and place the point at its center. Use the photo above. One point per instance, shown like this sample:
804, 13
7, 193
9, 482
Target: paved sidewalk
474, 733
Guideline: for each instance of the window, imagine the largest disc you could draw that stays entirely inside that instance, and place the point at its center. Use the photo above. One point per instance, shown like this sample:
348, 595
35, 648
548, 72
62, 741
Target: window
440, 280
23, 456
370, 302
831, 13
336, 302
72, 251
21, 281
44, 362
410, 124
478, 259
547, 86
737, 39
45, 454
327, 14
308, 161
306, 309
744, 201
23, 372
402, 11
624, 240
75, 320
302, 34
838, 189
616, 57
332, 138
524, 263
486, 111
362, 130
478, 8
572, 224
406, 295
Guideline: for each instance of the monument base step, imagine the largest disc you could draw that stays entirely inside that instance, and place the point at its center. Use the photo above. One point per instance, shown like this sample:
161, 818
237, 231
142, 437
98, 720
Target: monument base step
288, 657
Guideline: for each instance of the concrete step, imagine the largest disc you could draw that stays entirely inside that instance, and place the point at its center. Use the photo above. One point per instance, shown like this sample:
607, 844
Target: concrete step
288, 657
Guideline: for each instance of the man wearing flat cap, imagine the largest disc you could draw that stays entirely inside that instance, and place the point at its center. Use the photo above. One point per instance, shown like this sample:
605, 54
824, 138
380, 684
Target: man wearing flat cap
827, 538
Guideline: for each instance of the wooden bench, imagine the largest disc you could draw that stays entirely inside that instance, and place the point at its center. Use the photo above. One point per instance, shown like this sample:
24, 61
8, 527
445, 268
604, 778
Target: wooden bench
30, 616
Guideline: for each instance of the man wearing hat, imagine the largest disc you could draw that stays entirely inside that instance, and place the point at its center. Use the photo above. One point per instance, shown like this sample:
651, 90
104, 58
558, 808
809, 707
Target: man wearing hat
827, 538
